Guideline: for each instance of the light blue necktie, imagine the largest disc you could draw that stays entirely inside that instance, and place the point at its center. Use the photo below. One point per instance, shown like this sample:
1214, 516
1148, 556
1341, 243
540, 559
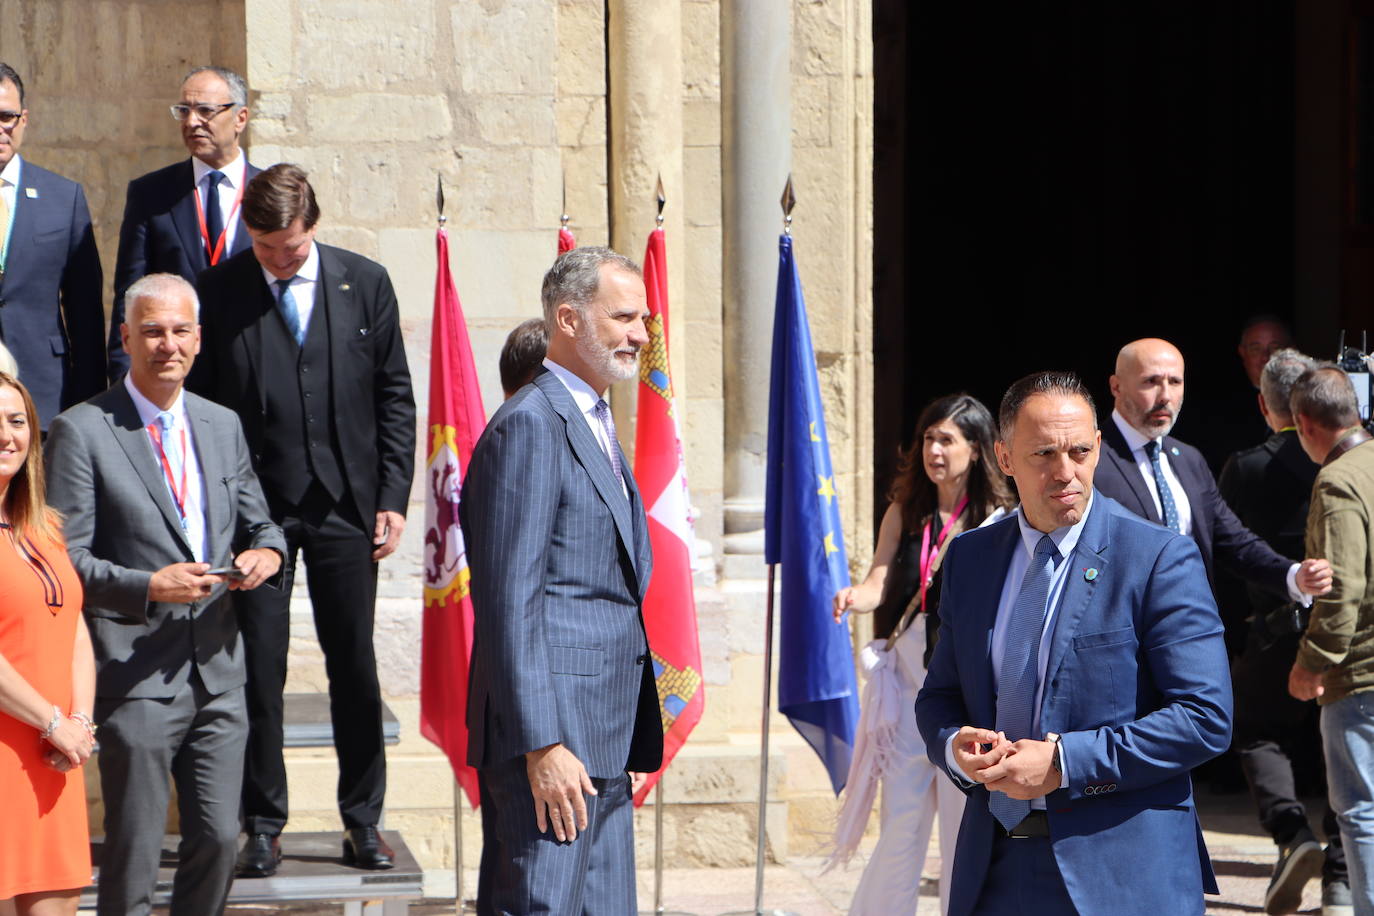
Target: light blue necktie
286, 304
171, 449
603, 413
1019, 673
1166, 495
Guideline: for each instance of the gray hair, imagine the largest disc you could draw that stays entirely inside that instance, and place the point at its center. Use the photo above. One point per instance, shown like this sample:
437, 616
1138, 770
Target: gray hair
575, 277
7, 364
238, 89
1325, 396
1279, 376
159, 288
1060, 384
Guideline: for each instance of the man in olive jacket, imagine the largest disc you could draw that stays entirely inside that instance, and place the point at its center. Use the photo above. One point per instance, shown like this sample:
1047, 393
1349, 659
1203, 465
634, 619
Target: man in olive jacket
1335, 661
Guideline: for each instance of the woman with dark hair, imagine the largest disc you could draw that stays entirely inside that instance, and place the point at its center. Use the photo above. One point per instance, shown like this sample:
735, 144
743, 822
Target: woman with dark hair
47, 683
947, 482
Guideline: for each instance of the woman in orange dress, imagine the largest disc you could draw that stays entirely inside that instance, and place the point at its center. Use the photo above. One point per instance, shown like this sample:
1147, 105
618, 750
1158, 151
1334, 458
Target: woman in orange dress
47, 683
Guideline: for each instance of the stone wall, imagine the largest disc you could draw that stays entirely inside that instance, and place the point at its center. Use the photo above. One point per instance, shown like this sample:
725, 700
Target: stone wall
98, 78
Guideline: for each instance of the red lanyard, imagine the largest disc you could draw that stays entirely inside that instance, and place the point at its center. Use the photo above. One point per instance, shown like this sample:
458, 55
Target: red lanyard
178, 495
928, 554
217, 251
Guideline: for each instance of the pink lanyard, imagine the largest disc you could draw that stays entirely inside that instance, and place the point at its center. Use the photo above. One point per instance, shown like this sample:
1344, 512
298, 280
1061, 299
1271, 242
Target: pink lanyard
928, 554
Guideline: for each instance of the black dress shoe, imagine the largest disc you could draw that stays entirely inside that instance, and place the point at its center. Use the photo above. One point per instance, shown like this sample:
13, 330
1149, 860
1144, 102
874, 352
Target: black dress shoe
259, 857
363, 847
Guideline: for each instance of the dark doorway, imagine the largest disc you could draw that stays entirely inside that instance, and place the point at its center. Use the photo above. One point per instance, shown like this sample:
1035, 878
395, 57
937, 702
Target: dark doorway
1051, 183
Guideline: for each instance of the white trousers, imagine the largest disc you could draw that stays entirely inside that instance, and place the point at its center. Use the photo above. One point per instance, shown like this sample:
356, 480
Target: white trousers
913, 791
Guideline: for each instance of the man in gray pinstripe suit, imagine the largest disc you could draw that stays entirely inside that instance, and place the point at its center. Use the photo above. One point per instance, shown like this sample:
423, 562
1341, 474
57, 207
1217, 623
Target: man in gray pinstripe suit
561, 698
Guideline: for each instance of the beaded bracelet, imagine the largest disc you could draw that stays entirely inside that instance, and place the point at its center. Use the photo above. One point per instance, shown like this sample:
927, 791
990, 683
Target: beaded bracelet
85, 721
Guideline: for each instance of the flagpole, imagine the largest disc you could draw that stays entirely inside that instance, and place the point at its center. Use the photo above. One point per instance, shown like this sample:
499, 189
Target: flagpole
789, 200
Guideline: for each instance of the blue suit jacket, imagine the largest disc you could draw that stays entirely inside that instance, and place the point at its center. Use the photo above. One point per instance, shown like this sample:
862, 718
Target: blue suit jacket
1137, 685
560, 562
161, 234
51, 317
1220, 536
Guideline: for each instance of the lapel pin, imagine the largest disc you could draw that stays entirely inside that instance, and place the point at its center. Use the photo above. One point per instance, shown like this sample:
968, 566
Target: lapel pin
31, 193
1174, 451
344, 287
362, 331
1090, 573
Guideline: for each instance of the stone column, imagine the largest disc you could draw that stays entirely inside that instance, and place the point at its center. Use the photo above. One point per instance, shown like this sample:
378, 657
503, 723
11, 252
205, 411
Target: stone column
645, 44
756, 121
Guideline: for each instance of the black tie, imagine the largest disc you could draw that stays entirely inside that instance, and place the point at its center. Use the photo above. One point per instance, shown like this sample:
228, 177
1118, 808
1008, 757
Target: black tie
214, 219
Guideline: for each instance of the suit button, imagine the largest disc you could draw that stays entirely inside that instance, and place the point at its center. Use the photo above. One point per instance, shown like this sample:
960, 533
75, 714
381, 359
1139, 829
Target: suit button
307, 394
641, 659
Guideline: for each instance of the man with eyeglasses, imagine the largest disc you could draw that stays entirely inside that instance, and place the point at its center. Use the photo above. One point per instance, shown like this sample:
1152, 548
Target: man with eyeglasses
51, 317
183, 218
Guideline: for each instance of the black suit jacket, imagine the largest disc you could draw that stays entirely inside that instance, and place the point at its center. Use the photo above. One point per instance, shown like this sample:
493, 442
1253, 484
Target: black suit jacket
161, 234
1220, 536
369, 383
51, 316
1270, 487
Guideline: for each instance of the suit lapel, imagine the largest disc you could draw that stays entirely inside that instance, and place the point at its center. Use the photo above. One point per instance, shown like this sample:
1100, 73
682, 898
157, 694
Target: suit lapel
212, 462
133, 439
337, 304
1090, 566
1119, 453
593, 459
241, 237
986, 595
186, 222
643, 549
25, 214
259, 303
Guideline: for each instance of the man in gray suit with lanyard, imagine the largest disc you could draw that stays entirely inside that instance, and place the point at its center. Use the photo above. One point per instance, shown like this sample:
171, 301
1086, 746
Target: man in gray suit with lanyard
164, 517
561, 698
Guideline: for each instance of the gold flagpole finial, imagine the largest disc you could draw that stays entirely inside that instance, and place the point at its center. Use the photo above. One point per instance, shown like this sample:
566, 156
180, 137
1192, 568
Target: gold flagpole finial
658, 220
439, 199
789, 200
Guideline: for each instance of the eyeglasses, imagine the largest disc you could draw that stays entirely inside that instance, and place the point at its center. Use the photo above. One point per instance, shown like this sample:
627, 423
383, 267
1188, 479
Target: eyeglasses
10, 118
204, 112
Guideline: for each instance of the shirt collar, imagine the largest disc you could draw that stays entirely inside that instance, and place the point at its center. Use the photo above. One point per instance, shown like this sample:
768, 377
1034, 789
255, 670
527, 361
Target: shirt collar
1065, 539
148, 411
583, 395
1135, 439
309, 272
10, 173
233, 172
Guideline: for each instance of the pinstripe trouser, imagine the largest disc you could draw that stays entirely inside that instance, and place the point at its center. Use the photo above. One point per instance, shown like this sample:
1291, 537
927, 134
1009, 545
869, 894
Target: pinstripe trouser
593, 875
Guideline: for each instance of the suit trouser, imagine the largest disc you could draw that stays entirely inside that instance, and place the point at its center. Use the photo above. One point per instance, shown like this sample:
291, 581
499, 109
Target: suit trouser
199, 739
1267, 719
534, 873
1023, 878
343, 586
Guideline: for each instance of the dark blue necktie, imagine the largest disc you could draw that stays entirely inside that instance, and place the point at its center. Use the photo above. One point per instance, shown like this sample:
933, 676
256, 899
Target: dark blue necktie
214, 218
1019, 674
1166, 495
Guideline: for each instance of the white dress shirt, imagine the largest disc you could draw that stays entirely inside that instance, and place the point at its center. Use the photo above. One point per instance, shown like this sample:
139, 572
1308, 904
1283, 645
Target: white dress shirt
302, 286
1135, 440
1066, 541
9, 187
228, 192
585, 398
196, 532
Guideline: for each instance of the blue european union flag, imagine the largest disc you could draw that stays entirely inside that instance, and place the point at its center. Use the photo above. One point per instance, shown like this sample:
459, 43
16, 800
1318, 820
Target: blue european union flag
816, 684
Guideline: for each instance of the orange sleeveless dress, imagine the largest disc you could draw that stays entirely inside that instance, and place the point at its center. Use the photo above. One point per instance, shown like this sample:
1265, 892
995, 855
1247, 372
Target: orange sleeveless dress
44, 839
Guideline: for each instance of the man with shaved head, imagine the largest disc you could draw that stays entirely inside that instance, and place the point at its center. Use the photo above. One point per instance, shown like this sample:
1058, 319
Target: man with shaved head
1168, 482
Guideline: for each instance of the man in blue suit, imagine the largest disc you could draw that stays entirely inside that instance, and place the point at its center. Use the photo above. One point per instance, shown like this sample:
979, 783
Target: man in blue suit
50, 313
561, 697
185, 217
1080, 674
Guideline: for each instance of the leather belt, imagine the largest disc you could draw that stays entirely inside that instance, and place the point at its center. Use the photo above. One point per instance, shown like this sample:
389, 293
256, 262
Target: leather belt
1035, 824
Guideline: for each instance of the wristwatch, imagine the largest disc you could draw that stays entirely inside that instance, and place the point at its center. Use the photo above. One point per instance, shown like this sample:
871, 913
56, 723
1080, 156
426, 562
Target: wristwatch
1055, 760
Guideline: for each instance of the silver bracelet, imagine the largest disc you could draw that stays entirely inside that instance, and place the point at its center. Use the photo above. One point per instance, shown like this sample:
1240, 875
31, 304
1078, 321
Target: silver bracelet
85, 721
52, 724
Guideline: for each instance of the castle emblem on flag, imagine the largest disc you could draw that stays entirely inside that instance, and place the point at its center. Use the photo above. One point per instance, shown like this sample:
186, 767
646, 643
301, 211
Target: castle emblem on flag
653, 362
676, 687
